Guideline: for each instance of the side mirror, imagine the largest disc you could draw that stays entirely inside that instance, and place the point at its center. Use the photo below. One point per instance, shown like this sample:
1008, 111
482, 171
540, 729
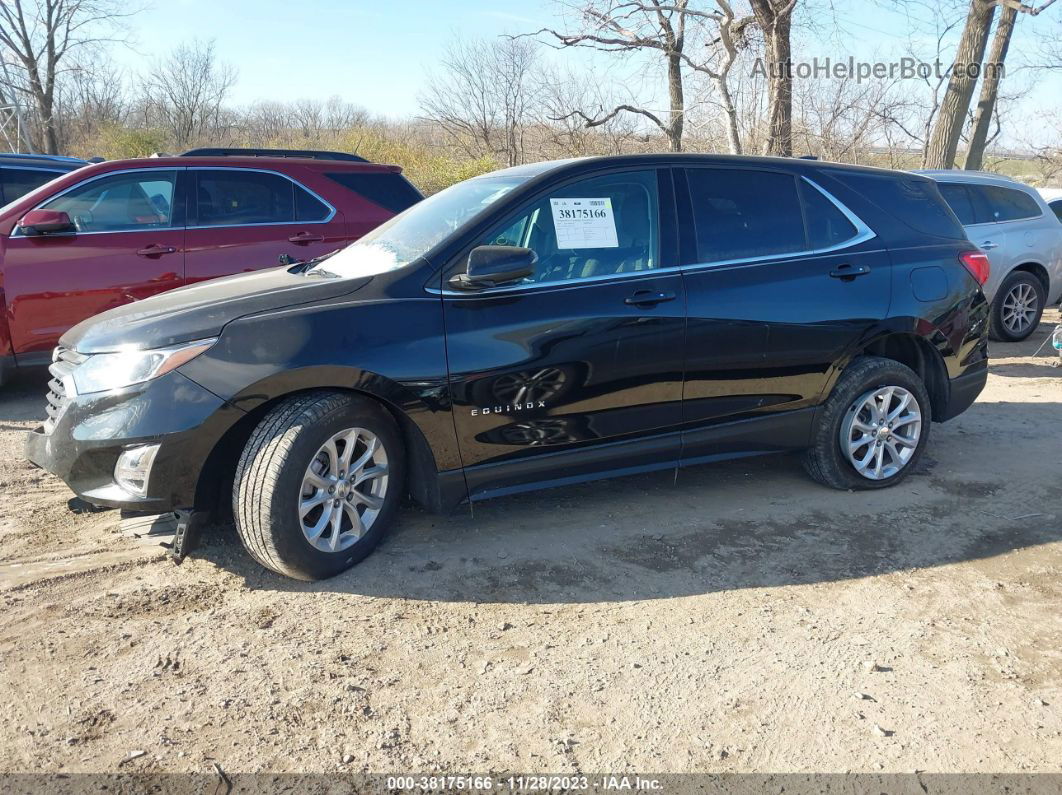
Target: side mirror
493, 266
45, 222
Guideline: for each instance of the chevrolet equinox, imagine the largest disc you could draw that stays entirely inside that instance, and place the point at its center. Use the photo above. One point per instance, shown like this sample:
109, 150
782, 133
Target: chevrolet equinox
537, 326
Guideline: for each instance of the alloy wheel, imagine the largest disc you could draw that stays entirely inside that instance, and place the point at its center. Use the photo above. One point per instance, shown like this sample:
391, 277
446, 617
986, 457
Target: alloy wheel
343, 490
1019, 308
880, 431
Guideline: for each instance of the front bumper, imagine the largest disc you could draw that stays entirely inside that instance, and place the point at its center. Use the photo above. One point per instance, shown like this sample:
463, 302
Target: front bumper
90, 432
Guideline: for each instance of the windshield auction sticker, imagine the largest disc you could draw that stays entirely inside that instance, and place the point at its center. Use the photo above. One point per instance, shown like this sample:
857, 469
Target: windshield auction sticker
584, 223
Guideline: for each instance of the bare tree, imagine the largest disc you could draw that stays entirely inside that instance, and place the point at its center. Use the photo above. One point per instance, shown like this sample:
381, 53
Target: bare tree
186, 90
632, 26
944, 140
38, 41
567, 135
986, 103
840, 119
775, 19
947, 130
90, 97
726, 38
483, 100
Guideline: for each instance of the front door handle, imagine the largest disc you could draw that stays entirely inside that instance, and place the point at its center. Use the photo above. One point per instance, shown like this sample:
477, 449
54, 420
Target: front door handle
306, 237
648, 298
155, 250
848, 272
988, 245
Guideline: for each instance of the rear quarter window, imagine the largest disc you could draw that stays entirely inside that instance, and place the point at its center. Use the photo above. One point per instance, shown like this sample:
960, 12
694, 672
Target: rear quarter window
913, 200
389, 190
1007, 204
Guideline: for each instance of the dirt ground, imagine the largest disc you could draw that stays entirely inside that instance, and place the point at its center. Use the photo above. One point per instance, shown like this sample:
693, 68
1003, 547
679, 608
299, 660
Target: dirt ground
739, 618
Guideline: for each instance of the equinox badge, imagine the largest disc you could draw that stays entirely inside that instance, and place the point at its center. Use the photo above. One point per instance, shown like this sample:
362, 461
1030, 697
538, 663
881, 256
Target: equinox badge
507, 408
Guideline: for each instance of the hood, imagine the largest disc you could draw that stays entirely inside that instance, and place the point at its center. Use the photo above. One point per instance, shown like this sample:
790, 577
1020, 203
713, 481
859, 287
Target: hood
201, 310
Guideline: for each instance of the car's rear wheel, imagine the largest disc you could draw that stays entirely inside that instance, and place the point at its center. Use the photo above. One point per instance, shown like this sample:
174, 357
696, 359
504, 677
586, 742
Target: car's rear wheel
318, 484
873, 427
1017, 308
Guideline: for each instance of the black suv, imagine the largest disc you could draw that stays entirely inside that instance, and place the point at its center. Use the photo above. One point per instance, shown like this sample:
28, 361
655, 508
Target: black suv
19, 174
538, 326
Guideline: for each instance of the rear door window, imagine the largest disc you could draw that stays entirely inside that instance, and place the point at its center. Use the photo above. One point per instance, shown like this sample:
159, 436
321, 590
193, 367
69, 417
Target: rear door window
1056, 207
17, 182
1007, 204
743, 214
127, 202
236, 197
958, 198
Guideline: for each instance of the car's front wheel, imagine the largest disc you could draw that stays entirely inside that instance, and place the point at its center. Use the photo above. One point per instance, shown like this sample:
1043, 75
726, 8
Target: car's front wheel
873, 427
1017, 308
318, 484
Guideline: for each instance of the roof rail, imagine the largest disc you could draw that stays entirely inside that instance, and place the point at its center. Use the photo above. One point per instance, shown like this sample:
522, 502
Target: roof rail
60, 158
936, 171
314, 154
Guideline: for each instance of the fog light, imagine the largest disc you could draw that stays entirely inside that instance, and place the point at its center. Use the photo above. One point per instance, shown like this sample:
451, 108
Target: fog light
134, 468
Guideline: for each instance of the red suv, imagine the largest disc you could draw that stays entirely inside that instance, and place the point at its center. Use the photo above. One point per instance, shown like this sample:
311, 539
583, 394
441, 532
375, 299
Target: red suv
119, 231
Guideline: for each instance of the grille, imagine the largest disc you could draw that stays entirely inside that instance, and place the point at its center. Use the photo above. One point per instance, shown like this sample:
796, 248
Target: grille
63, 363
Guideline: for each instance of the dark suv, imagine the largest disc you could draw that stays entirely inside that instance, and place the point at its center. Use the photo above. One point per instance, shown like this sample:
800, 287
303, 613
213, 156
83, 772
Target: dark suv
119, 231
534, 327
19, 174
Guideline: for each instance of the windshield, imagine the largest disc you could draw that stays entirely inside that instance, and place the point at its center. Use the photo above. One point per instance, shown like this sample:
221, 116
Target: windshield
416, 231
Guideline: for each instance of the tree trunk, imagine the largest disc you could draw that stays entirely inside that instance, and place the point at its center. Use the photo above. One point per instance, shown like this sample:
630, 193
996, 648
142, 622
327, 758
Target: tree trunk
776, 23
733, 134
677, 102
944, 140
986, 103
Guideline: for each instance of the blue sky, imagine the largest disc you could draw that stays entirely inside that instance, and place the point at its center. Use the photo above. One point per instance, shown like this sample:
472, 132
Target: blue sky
376, 54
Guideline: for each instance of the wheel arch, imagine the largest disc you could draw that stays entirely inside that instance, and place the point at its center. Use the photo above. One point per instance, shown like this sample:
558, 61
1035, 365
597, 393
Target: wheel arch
921, 356
1037, 270
215, 480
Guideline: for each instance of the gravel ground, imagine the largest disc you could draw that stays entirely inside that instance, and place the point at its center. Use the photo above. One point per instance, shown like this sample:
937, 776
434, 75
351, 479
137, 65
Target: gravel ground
737, 618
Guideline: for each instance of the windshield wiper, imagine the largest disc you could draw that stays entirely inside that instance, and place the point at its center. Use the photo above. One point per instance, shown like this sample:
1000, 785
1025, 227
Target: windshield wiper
306, 265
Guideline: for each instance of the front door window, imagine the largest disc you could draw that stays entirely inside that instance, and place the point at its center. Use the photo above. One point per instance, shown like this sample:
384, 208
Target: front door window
598, 227
120, 203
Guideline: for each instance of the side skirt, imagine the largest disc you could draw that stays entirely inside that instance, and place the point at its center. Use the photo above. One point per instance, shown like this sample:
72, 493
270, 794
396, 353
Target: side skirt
772, 433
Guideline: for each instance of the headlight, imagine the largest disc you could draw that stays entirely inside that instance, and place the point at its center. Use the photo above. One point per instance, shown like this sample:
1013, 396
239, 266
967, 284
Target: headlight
104, 371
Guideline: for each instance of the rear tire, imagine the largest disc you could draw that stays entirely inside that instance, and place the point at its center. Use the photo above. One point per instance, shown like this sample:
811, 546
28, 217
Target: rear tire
869, 385
1017, 307
339, 453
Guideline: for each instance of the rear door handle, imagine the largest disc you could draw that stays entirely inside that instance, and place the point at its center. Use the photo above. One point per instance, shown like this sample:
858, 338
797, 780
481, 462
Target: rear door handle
988, 245
648, 298
155, 250
306, 237
847, 272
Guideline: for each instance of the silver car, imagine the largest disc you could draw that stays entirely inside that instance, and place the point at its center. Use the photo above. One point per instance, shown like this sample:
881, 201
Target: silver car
1022, 237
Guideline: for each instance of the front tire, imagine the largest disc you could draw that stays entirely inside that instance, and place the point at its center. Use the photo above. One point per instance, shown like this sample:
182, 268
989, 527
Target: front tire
318, 484
873, 427
1017, 307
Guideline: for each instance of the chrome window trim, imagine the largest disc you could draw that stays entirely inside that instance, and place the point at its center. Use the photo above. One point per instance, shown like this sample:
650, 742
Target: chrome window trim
581, 282
863, 234
331, 210
17, 232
